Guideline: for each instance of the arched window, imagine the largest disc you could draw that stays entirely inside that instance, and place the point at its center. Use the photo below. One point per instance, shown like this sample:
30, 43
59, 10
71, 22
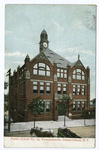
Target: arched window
41, 69
78, 74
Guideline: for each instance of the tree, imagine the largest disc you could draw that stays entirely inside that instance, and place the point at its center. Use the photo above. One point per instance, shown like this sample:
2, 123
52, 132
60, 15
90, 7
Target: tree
85, 115
94, 101
5, 85
67, 101
36, 106
6, 97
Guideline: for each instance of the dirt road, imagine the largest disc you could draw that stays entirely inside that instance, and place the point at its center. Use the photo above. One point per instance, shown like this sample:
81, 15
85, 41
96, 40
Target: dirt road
84, 132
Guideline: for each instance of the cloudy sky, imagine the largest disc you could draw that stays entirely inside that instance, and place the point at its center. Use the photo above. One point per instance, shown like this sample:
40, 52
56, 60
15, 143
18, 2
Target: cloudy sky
71, 31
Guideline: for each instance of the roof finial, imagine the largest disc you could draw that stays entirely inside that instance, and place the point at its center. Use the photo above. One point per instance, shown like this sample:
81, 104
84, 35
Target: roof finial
44, 26
78, 56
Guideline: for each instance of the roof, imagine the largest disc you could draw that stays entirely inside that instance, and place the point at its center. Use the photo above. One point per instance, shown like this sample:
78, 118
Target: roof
43, 32
54, 58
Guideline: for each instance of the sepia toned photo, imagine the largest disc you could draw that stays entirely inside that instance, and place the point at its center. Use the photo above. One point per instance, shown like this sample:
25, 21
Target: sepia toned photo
49, 75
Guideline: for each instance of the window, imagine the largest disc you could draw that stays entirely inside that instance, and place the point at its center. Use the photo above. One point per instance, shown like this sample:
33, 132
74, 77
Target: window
78, 90
34, 71
79, 105
22, 72
42, 72
64, 88
47, 88
35, 87
74, 106
83, 89
41, 69
42, 65
78, 77
83, 76
78, 74
59, 88
83, 105
58, 73
61, 73
41, 87
74, 89
47, 106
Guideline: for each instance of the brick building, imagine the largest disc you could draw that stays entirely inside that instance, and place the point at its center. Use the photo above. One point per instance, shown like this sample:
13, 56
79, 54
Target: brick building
50, 76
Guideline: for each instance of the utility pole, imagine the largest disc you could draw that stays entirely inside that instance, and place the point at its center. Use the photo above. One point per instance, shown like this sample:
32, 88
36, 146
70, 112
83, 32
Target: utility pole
65, 115
8, 74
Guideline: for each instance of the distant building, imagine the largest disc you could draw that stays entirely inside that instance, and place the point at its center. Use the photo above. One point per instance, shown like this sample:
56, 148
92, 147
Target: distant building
50, 76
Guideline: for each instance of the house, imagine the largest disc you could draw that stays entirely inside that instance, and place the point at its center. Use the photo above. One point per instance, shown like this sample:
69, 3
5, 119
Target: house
49, 75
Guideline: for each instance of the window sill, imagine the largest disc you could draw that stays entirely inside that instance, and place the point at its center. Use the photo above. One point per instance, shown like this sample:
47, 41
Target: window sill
40, 75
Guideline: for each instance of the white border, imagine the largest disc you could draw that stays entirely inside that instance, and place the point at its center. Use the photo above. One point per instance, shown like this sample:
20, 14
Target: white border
2, 5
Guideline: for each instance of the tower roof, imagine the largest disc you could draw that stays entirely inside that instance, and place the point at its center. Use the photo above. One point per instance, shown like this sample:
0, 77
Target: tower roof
43, 32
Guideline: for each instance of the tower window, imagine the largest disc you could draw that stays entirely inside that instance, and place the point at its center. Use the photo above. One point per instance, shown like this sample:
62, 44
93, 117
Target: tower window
46, 36
42, 36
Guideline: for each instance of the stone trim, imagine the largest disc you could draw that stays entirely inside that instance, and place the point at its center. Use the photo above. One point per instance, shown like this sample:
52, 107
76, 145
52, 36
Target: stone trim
88, 81
27, 74
40, 80
63, 82
55, 77
79, 84
69, 79
77, 115
79, 100
45, 100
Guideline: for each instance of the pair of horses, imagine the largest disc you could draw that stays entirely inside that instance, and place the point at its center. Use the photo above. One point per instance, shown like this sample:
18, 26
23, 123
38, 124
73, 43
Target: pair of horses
37, 133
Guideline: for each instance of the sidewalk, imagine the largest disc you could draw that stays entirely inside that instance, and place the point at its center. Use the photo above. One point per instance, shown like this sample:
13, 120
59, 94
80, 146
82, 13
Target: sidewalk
23, 126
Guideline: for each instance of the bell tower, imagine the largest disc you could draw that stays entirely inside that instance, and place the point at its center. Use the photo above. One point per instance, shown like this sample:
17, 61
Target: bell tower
44, 43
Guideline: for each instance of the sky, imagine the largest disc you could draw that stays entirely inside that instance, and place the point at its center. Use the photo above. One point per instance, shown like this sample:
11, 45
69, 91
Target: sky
71, 31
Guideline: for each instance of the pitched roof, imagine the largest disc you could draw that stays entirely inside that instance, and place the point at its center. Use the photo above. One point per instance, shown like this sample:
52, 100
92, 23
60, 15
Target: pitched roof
54, 57
43, 32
